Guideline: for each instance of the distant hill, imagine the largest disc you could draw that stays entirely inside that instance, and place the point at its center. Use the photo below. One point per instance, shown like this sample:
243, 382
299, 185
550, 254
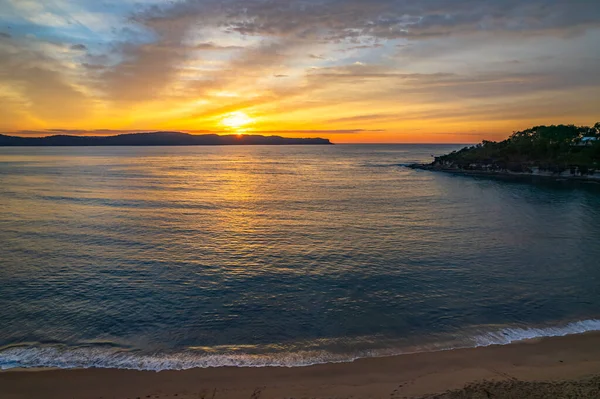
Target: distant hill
155, 139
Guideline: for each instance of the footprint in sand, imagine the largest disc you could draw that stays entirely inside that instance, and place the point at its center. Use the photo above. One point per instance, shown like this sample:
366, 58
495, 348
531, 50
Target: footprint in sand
396, 394
256, 393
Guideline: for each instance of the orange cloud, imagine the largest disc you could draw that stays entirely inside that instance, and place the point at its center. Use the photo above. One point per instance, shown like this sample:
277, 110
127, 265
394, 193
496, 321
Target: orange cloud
354, 71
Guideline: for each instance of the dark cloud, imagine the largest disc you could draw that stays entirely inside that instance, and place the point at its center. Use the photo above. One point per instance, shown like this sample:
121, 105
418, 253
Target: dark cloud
360, 71
93, 67
214, 47
363, 47
4, 35
361, 118
79, 47
337, 20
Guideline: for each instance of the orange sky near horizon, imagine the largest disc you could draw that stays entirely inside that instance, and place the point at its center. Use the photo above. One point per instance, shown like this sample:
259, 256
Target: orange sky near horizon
354, 72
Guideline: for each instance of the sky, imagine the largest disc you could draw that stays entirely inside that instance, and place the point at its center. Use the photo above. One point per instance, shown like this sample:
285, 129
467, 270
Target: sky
444, 71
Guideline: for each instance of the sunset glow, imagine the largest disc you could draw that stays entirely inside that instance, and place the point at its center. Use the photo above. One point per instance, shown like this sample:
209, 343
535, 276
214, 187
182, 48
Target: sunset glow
236, 120
352, 71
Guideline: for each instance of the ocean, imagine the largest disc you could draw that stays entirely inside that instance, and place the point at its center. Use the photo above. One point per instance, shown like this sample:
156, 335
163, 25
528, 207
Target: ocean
157, 258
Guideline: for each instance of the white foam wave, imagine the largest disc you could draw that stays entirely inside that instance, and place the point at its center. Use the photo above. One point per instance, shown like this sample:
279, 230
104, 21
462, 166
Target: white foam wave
509, 335
64, 357
68, 358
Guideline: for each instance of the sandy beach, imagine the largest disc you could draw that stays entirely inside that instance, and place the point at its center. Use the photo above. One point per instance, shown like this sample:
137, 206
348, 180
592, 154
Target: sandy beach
551, 367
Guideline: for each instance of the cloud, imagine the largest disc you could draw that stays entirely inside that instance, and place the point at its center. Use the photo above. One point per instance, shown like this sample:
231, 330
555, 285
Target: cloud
393, 19
93, 67
360, 71
151, 70
362, 118
78, 47
214, 47
363, 47
38, 80
294, 63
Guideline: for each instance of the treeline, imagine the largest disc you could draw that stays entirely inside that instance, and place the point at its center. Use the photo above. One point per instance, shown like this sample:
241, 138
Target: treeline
553, 148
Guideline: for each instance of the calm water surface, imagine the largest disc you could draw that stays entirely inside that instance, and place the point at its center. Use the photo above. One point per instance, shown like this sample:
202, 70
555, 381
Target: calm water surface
176, 257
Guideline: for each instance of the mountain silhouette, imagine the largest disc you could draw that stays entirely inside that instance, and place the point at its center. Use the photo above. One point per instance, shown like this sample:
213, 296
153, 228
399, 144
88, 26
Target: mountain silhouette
156, 139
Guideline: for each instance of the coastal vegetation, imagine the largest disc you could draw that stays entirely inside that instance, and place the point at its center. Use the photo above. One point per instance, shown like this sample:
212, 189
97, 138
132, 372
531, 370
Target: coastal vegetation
554, 149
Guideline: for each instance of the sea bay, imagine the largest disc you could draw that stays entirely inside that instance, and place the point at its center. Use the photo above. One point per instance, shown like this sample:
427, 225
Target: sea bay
177, 257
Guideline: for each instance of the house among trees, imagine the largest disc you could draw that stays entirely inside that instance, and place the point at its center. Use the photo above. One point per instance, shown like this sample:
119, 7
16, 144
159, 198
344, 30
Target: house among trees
585, 141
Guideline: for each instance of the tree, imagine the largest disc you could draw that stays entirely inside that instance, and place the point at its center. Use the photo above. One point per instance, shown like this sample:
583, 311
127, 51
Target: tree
548, 147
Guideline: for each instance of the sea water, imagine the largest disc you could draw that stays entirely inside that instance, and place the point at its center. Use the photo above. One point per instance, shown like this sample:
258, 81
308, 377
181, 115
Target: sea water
177, 257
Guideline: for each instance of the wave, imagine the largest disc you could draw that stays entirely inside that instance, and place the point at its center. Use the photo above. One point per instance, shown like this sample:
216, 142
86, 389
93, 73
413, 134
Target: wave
105, 356
87, 357
395, 164
509, 335
383, 165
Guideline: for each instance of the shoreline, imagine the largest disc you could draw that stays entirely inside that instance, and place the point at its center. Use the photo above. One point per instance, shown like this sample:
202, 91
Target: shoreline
517, 365
49, 357
548, 176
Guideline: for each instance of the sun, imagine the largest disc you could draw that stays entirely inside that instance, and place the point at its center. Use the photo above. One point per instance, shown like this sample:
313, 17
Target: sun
236, 120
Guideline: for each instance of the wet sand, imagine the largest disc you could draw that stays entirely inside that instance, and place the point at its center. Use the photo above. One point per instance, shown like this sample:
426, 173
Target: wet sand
547, 368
